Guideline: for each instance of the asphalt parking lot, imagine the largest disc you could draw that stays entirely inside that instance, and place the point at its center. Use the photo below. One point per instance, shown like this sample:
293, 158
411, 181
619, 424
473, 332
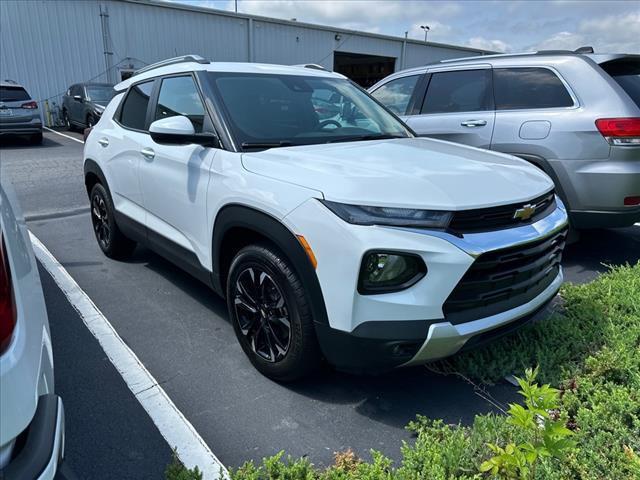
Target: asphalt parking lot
180, 331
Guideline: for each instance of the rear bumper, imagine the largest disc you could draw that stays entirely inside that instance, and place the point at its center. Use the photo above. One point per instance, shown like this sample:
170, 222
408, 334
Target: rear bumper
595, 189
42, 443
21, 128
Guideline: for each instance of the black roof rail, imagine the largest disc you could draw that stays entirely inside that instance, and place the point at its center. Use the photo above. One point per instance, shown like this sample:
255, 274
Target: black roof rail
8, 80
173, 61
585, 49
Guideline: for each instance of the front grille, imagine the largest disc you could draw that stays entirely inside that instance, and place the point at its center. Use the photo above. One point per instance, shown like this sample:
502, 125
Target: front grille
504, 279
494, 218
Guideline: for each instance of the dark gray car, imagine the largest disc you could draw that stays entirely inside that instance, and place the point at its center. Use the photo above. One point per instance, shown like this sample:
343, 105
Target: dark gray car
19, 113
83, 104
576, 115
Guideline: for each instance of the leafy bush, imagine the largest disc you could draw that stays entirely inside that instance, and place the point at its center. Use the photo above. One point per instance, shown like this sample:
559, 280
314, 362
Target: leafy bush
177, 471
590, 352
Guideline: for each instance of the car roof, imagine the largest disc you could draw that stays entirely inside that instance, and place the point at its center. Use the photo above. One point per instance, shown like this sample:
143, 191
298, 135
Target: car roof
309, 70
10, 83
521, 58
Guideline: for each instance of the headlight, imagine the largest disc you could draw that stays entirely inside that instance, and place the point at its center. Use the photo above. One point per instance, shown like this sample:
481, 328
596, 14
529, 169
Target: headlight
397, 217
385, 272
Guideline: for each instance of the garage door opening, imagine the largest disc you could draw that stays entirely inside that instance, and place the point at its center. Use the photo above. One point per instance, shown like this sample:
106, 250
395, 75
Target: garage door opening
365, 70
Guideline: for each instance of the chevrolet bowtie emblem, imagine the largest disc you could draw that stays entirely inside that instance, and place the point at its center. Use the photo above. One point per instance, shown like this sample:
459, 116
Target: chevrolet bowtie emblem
525, 213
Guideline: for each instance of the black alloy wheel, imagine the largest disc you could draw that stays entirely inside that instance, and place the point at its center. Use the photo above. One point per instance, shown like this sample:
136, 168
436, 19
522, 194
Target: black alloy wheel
262, 314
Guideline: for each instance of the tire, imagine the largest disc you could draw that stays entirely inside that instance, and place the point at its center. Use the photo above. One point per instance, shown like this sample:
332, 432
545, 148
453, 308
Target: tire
36, 138
271, 315
67, 121
113, 243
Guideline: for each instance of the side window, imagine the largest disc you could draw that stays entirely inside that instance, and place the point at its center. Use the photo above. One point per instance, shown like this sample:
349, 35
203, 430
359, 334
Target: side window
458, 91
396, 94
179, 96
518, 88
134, 109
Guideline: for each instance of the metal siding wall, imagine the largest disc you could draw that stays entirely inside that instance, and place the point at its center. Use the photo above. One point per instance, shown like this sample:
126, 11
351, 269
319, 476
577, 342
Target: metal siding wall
290, 45
49, 45
418, 55
150, 33
46, 46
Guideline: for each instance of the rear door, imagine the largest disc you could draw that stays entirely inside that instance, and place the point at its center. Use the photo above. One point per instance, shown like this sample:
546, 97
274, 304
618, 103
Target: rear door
16, 105
534, 108
457, 106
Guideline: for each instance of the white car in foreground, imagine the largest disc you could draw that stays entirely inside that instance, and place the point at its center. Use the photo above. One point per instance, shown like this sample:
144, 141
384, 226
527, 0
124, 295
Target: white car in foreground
31, 414
346, 238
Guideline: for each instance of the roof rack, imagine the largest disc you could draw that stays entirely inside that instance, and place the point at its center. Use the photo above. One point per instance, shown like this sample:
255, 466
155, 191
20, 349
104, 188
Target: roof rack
8, 80
173, 61
313, 66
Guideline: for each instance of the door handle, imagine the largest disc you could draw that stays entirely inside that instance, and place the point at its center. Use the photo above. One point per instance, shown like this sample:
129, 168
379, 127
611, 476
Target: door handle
148, 152
104, 142
474, 123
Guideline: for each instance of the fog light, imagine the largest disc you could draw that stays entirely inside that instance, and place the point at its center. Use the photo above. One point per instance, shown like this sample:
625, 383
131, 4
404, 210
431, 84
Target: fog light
384, 272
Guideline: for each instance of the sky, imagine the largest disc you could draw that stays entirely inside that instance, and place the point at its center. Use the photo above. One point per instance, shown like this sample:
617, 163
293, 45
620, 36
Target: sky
504, 26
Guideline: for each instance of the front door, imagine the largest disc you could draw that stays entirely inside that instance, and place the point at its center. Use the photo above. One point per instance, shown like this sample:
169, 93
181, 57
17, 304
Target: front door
174, 178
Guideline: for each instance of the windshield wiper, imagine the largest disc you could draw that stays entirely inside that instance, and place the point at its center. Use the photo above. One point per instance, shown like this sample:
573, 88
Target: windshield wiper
258, 145
371, 136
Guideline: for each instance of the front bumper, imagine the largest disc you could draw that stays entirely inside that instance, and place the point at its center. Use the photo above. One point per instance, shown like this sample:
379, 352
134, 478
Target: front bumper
42, 444
378, 332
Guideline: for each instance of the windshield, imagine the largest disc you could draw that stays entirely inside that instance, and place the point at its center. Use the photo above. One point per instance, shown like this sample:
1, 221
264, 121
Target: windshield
100, 94
280, 110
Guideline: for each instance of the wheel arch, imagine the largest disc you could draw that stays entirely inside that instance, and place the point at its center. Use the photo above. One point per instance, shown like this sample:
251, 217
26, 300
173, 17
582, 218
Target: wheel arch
237, 226
93, 174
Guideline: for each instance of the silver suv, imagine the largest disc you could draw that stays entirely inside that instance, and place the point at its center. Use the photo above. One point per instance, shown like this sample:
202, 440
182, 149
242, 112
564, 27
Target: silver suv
19, 113
575, 115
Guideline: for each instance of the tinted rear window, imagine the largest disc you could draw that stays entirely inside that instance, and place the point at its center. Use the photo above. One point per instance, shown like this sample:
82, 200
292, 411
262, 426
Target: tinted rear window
520, 88
459, 91
13, 94
134, 109
627, 74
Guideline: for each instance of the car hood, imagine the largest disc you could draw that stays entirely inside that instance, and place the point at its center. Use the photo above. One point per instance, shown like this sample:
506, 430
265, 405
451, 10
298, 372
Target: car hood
407, 172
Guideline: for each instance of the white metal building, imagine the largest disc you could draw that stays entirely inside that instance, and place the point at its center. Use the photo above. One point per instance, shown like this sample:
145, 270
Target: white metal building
47, 45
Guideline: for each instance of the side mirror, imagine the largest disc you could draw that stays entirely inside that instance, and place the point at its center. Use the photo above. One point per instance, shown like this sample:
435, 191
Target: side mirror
178, 130
77, 98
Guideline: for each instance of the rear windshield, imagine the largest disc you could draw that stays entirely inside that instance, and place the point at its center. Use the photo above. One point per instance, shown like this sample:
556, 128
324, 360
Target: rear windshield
627, 73
13, 94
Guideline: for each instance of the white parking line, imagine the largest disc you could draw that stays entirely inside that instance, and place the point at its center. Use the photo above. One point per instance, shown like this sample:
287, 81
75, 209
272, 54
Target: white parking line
174, 427
63, 135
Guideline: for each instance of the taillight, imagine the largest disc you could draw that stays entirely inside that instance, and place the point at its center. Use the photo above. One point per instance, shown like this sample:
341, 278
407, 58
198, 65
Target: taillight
632, 201
29, 105
7, 302
620, 131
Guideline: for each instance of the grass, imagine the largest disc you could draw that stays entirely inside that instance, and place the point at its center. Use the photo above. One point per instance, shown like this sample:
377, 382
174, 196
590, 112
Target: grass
590, 351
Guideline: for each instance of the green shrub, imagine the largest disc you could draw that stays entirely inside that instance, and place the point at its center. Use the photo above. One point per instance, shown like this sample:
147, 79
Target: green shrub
590, 352
177, 471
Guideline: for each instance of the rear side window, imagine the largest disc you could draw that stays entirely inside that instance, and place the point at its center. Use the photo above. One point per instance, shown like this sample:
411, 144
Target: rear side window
179, 96
459, 91
396, 94
627, 74
134, 109
13, 94
531, 87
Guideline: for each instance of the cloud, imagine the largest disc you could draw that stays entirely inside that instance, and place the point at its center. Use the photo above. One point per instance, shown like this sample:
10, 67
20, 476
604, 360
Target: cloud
611, 34
485, 44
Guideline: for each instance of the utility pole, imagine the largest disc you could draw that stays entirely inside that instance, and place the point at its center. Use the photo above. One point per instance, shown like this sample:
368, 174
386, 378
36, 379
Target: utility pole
106, 43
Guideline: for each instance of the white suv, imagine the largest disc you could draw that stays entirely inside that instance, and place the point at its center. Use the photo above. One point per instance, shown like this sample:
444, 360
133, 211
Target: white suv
329, 227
